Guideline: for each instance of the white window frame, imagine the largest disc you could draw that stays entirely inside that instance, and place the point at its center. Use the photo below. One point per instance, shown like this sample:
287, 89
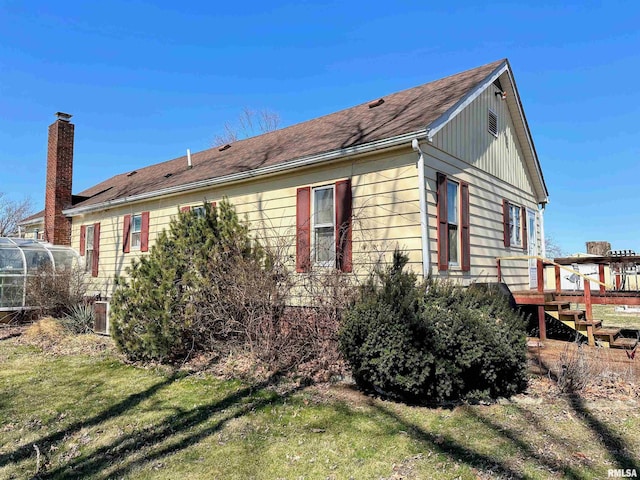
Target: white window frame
199, 211
88, 247
455, 262
515, 225
136, 235
315, 226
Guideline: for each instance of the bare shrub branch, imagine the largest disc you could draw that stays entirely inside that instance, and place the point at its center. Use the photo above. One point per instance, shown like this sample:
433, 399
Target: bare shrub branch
54, 292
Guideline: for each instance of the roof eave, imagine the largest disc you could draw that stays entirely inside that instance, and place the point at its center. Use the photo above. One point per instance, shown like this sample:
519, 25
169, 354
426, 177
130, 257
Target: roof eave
33, 221
249, 174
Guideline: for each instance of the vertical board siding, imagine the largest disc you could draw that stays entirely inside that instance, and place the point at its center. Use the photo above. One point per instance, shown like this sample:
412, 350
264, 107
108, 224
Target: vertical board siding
467, 137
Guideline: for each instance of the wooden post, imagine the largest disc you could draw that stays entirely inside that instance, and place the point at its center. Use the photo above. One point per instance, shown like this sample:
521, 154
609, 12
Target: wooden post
591, 341
587, 299
601, 276
541, 325
618, 282
540, 267
556, 269
499, 271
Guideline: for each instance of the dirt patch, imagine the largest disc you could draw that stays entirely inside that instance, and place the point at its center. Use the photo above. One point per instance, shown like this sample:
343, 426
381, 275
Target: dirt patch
608, 373
8, 331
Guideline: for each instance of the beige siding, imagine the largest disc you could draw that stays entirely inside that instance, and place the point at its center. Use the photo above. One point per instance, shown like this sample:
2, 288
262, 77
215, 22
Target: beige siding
385, 211
486, 221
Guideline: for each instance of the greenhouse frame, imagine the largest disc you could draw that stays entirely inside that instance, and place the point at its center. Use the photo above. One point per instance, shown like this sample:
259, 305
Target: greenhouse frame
21, 258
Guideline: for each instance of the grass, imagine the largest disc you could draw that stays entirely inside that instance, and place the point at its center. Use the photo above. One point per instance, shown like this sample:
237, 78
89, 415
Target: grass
94, 417
611, 318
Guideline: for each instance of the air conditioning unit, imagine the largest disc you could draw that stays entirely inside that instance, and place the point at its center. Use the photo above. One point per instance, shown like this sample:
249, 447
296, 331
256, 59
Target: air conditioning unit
101, 317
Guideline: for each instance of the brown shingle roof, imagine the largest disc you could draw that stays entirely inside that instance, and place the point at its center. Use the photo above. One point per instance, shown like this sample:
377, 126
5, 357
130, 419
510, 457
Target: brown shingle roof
403, 112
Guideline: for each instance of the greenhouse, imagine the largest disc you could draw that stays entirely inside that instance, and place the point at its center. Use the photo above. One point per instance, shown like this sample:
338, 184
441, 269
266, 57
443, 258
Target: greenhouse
21, 258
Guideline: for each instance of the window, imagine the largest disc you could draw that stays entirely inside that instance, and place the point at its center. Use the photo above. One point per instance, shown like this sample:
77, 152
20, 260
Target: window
515, 227
324, 227
90, 247
136, 229
452, 221
135, 232
324, 240
493, 123
199, 211
454, 248
89, 251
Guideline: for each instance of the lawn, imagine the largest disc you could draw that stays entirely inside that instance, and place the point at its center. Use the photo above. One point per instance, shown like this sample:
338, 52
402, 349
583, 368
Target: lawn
612, 318
90, 416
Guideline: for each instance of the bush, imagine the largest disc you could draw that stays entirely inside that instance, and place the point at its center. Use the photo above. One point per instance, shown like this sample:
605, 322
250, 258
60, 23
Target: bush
205, 286
80, 319
55, 293
433, 343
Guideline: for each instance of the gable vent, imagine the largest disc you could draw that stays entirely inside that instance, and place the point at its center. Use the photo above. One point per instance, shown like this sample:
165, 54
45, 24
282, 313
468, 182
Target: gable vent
377, 103
493, 123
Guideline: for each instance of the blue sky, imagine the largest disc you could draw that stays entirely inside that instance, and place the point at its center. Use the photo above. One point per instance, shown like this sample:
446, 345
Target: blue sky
147, 80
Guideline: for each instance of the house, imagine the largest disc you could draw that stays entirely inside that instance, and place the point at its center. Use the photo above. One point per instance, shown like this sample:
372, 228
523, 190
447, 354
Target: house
447, 171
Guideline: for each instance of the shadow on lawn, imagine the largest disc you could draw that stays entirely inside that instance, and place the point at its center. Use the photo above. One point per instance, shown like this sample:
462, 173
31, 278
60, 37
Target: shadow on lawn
24, 451
450, 447
148, 445
612, 442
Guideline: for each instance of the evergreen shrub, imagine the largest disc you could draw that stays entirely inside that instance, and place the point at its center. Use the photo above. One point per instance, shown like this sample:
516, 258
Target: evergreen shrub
204, 287
435, 342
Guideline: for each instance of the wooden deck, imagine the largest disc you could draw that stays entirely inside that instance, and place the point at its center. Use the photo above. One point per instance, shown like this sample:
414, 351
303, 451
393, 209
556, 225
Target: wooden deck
558, 304
533, 297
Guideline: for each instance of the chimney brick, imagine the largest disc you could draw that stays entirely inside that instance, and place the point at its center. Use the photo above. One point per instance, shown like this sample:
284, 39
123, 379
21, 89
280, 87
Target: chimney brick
57, 227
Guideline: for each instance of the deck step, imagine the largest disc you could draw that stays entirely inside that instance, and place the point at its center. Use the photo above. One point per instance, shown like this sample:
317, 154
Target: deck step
557, 305
572, 313
622, 342
557, 302
593, 323
607, 332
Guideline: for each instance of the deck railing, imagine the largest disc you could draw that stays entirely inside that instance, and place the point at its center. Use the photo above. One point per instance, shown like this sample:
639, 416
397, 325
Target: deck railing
542, 263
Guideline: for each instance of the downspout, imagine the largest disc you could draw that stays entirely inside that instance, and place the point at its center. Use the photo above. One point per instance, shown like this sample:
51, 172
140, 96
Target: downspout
543, 242
426, 256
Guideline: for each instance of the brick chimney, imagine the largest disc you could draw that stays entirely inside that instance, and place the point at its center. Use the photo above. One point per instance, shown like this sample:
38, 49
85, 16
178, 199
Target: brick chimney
57, 227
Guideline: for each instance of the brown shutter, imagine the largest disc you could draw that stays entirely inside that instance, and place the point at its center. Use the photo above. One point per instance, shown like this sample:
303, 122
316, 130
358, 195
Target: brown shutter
303, 229
505, 223
464, 220
213, 204
443, 238
144, 233
343, 226
126, 229
185, 209
523, 219
83, 236
96, 249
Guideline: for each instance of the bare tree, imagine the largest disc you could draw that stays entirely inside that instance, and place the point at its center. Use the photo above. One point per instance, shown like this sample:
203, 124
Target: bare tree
249, 124
553, 249
11, 212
